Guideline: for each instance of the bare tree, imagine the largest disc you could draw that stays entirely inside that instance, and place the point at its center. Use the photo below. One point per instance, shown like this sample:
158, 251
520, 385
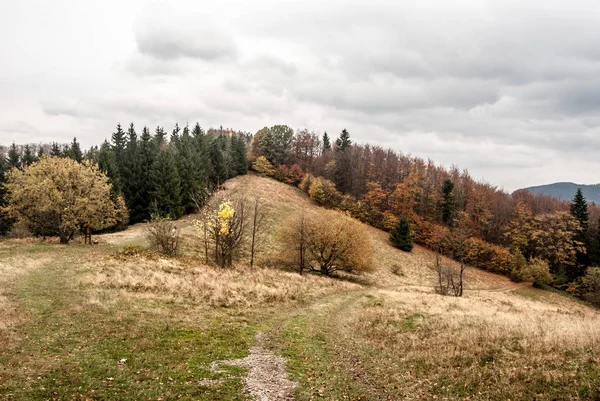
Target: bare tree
258, 223
450, 278
453, 244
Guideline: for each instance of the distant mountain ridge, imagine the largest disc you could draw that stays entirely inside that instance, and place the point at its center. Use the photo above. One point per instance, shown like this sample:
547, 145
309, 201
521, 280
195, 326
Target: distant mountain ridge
566, 191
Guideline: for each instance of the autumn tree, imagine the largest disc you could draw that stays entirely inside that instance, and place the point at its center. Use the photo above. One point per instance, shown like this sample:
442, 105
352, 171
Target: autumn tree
263, 167
330, 242
68, 194
257, 227
225, 224
274, 143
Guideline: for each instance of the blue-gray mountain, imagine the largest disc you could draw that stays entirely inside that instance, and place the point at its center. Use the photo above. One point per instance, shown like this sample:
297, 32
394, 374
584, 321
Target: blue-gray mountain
566, 191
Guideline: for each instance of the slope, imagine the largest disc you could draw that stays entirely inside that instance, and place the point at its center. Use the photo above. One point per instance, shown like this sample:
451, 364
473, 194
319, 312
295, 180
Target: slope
86, 322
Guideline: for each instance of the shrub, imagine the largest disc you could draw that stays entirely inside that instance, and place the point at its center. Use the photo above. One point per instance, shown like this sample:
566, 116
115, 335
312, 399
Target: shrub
306, 182
264, 167
537, 271
164, 236
590, 286
401, 237
323, 192
292, 175
325, 243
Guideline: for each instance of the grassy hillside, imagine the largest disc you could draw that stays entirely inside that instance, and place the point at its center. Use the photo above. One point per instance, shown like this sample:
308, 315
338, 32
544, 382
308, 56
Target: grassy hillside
566, 191
81, 322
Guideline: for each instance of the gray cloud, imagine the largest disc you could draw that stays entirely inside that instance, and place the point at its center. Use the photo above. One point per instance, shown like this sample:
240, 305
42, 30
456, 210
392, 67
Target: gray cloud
506, 88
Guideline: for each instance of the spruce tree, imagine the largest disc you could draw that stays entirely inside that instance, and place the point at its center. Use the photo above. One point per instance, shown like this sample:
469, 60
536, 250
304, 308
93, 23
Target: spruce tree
343, 163
14, 156
160, 137
28, 156
401, 237
40, 152
108, 165
579, 210
240, 160
75, 152
131, 177
217, 162
326, 142
55, 150
165, 185
448, 202
192, 171
118, 142
175, 135
148, 152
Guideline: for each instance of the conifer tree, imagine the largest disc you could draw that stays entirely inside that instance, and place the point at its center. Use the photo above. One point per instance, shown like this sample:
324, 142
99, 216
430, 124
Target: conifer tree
175, 135
131, 177
28, 156
401, 237
147, 155
579, 210
108, 165
192, 172
343, 163
326, 142
448, 202
239, 158
75, 151
55, 150
165, 185
40, 152
119, 142
217, 162
14, 156
159, 137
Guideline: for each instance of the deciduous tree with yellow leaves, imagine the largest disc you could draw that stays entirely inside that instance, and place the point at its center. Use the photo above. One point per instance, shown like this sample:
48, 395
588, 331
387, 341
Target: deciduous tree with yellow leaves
64, 196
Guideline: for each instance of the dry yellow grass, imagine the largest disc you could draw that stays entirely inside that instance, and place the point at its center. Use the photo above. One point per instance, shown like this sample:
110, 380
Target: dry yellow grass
196, 284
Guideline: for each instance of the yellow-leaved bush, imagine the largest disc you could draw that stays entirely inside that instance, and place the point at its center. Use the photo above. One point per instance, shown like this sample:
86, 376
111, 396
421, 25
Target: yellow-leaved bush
59, 196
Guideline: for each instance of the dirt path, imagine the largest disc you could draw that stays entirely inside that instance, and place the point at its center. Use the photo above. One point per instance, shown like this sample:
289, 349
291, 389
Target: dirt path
267, 378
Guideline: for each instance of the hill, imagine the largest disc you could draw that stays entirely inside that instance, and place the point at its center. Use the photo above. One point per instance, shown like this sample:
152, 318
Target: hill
110, 322
566, 191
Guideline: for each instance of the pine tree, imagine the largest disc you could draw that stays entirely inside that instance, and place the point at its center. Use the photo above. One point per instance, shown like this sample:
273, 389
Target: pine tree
239, 158
119, 142
147, 155
131, 177
175, 135
14, 156
55, 150
343, 142
108, 165
218, 169
343, 164
40, 152
448, 203
401, 237
579, 210
192, 171
28, 156
165, 185
75, 151
326, 142
159, 137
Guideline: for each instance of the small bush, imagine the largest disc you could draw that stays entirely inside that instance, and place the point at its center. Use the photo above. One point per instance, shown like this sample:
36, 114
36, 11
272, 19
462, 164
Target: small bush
130, 250
537, 271
323, 192
264, 167
164, 236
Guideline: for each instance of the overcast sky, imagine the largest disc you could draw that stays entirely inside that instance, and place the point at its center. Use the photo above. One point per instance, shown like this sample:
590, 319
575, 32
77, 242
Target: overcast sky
508, 89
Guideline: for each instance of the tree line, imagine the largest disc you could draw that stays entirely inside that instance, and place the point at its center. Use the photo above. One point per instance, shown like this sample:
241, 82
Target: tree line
522, 235
154, 172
